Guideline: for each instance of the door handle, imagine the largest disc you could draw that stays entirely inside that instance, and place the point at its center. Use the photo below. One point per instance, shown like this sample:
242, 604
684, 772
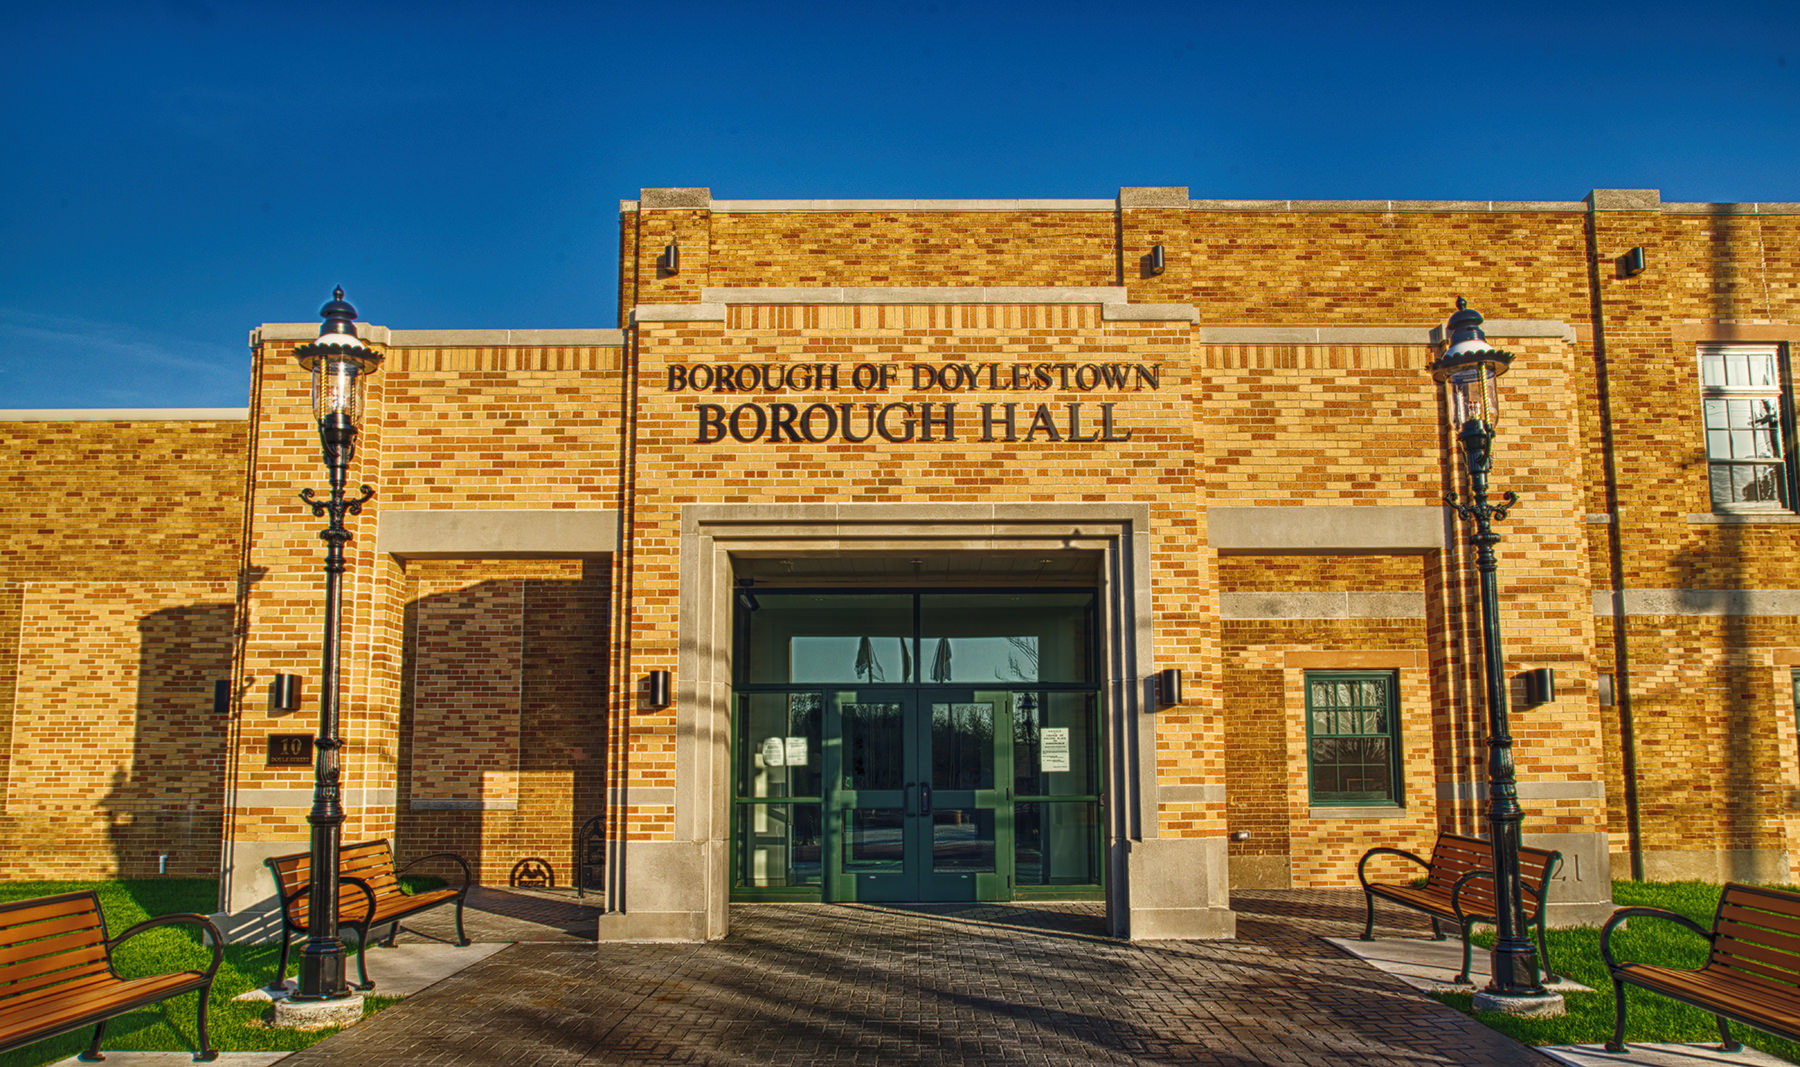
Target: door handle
924, 798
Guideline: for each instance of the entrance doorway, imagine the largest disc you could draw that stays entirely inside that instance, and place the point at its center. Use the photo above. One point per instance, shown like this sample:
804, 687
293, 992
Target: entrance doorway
916, 746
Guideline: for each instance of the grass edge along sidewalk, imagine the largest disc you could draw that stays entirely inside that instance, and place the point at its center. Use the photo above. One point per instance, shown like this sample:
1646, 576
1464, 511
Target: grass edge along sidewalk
235, 1027
241, 1027
1651, 1018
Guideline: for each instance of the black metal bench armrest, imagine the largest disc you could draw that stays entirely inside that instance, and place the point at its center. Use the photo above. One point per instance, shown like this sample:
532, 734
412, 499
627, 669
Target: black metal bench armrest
1362, 864
1456, 892
1644, 913
206, 927
460, 862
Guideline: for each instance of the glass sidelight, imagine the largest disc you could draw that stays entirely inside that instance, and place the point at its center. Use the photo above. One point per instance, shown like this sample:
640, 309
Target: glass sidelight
779, 789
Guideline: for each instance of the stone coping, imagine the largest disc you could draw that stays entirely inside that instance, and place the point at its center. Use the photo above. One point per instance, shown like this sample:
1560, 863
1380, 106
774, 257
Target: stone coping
382, 335
1109, 204
124, 414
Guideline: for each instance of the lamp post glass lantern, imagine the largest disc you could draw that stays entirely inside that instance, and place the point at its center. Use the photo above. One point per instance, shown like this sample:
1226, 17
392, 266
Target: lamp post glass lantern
1471, 368
339, 361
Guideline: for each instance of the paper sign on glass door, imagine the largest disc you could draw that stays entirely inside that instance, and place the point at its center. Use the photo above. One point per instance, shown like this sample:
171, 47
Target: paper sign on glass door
1053, 748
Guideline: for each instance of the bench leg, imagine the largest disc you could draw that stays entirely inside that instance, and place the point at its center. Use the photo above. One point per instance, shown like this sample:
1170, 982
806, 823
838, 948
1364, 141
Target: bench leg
1437, 932
1617, 1044
92, 1055
362, 957
1368, 933
1468, 929
1544, 952
1726, 1044
281, 971
462, 939
206, 1053
393, 932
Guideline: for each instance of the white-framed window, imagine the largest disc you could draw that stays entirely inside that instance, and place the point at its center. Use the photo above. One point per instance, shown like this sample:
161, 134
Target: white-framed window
1748, 428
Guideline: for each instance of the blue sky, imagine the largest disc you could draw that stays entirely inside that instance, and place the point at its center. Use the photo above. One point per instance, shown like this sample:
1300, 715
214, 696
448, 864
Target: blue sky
180, 171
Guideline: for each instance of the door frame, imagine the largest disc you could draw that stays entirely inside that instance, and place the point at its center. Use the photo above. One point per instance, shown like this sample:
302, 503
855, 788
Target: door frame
683, 880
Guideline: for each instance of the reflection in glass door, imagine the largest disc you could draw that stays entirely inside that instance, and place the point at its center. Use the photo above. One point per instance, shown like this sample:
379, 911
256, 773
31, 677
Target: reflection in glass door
915, 803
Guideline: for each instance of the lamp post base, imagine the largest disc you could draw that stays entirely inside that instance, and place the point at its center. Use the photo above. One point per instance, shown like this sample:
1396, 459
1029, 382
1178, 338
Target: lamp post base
1529, 1005
292, 1013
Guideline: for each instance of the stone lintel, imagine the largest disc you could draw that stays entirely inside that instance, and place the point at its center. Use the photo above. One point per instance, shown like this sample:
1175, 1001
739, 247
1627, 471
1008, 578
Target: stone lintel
1737, 603
1327, 530
471, 533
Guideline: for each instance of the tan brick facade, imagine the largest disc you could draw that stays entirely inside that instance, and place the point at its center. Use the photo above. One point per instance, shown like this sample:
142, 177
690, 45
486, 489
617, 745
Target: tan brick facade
1244, 454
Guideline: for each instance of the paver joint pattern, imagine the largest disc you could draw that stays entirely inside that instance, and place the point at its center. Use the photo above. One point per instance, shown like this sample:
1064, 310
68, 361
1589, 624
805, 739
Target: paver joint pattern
975, 984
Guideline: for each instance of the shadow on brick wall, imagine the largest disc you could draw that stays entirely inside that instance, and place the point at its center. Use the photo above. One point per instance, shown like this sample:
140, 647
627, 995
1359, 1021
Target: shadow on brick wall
163, 810
545, 640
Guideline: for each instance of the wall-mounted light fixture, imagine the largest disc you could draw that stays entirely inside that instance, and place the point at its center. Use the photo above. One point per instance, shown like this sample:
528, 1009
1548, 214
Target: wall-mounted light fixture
745, 596
670, 260
222, 697
1168, 687
1605, 687
1540, 685
656, 689
1631, 264
1155, 262
284, 692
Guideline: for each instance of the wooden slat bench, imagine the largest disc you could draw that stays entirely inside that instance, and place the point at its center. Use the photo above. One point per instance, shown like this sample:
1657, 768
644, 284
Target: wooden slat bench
56, 972
1751, 975
369, 896
1459, 888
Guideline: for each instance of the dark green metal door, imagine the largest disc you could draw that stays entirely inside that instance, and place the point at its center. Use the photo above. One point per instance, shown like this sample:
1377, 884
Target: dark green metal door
917, 800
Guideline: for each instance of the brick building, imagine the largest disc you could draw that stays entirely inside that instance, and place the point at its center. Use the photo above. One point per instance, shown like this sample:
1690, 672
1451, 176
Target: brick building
912, 500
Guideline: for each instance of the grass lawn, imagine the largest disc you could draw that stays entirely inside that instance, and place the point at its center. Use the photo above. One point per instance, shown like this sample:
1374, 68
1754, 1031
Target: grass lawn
170, 1024
1649, 1018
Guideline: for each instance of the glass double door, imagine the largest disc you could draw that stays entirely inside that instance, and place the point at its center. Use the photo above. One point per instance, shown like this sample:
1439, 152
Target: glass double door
919, 794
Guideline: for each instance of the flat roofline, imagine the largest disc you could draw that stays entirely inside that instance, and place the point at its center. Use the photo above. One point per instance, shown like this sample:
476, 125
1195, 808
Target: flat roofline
1607, 200
124, 414
382, 335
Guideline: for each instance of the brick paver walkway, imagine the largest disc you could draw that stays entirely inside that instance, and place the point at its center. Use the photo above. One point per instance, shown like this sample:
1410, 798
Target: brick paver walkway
993, 984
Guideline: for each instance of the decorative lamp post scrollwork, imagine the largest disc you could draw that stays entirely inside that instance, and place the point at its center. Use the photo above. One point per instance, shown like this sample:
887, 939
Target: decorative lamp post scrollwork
1471, 368
339, 361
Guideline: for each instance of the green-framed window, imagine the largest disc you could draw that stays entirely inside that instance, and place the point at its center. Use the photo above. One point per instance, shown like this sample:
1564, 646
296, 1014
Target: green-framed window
1353, 738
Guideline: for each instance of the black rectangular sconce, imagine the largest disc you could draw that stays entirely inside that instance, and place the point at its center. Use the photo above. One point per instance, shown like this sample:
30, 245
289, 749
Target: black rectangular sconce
222, 697
284, 692
670, 260
1168, 687
1631, 264
1155, 262
656, 688
1540, 685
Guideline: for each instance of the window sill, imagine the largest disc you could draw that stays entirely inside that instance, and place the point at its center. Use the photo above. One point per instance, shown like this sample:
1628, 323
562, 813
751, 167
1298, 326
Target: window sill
1743, 518
1372, 811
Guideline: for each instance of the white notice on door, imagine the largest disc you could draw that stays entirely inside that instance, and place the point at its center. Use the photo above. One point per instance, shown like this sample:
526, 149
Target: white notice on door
796, 752
1053, 748
774, 753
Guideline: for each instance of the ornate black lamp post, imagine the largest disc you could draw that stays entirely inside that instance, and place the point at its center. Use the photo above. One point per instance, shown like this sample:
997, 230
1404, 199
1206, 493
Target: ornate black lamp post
338, 361
1472, 368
